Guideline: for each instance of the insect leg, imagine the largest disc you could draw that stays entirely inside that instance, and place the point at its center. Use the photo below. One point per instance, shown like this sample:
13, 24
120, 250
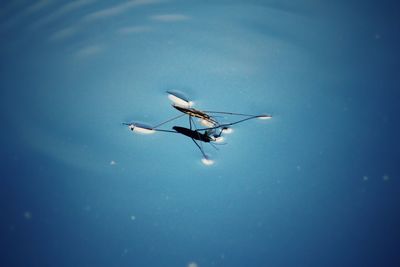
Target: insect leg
174, 118
201, 149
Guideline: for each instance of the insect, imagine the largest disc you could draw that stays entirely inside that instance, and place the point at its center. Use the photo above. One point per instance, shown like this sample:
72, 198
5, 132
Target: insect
212, 131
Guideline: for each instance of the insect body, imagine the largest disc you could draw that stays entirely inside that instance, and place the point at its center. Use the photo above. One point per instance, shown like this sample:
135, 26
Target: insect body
212, 133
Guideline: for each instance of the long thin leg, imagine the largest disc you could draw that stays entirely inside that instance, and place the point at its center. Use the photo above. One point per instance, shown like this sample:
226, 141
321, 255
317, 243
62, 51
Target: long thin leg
150, 129
201, 149
232, 123
194, 125
216, 148
227, 113
195, 128
198, 134
174, 118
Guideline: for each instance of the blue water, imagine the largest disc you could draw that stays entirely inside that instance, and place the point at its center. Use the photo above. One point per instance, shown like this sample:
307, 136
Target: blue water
317, 185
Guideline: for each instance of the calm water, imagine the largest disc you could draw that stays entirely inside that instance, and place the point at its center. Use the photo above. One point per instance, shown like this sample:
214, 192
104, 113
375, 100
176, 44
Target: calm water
318, 185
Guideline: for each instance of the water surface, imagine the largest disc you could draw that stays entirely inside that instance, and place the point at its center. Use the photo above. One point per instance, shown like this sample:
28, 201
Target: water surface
318, 185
